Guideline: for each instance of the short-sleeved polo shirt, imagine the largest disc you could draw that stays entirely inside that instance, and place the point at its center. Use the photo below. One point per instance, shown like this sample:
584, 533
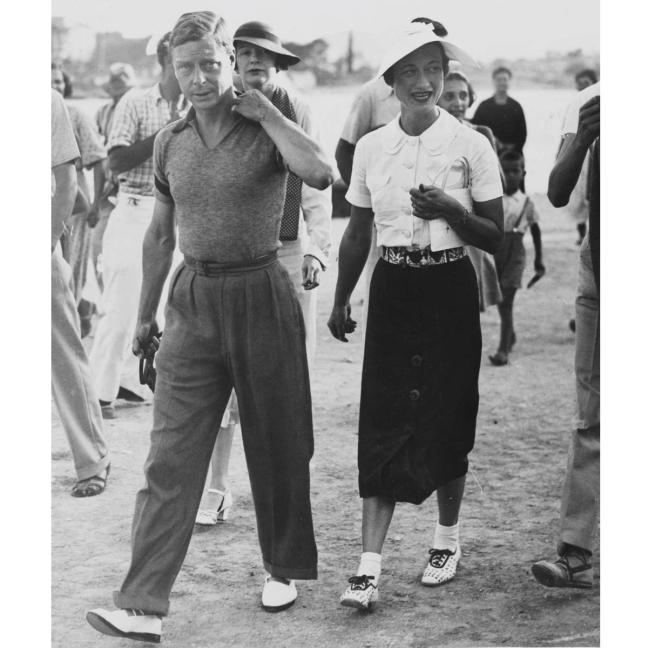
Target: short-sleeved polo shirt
228, 201
449, 155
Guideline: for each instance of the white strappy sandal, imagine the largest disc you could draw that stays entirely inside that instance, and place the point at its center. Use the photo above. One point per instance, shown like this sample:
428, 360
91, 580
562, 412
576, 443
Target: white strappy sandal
209, 517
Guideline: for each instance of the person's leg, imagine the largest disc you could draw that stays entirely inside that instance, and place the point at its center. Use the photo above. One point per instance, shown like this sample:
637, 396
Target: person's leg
449, 498
72, 385
580, 498
122, 278
377, 514
505, 309
192, 389
268, 358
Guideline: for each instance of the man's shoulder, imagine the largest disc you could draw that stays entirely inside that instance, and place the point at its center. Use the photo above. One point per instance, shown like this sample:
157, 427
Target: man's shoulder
588, 93
137, 97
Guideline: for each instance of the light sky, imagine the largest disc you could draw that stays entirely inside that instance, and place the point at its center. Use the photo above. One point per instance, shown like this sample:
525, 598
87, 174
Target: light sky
489, 28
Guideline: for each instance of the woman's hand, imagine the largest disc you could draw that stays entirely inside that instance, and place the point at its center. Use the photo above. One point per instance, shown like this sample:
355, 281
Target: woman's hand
430, 202
340, 322
147, 340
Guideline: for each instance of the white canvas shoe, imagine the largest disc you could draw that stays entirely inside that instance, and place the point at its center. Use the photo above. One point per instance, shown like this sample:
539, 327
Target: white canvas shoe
131, 624
277, 595
361, 594
441, 567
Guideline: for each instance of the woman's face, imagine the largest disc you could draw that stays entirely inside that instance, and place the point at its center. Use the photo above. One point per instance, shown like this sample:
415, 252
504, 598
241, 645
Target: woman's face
57, 81
455, 98
418, 78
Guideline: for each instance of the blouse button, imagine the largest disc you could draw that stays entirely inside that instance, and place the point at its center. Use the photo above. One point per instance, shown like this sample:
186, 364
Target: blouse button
414, 395
408, 165
417, 361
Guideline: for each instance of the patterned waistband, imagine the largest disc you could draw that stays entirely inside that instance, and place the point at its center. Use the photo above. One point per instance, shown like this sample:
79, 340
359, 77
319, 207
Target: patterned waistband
422, 258
214, 269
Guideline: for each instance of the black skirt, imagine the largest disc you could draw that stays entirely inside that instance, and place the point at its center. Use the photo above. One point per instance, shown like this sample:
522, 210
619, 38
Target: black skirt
419, 401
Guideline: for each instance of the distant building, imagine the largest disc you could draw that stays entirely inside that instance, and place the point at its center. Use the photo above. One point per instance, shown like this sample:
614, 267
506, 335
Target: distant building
75, 42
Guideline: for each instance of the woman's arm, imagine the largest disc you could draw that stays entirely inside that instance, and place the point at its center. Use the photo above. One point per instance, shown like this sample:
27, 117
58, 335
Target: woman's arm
482, 228
301, 153
354, 249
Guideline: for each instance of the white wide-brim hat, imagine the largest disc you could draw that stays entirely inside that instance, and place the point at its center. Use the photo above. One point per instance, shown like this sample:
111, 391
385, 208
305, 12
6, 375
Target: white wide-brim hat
416, 35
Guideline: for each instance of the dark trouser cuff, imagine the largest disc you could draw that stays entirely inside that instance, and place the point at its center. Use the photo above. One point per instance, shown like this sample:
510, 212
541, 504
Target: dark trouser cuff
292, 573
148, 604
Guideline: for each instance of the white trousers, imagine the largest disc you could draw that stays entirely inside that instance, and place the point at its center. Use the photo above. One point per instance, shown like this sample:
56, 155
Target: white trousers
72, 384
291, 255
111, 359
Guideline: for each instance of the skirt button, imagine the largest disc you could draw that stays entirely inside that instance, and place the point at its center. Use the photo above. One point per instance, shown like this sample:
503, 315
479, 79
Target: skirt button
417, 361
414, 395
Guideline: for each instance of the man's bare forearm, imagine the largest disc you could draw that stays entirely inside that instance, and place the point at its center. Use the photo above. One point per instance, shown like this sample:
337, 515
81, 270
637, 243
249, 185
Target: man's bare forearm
63, 198
344, 159
303, 155
125, 158
157, 259
564, 175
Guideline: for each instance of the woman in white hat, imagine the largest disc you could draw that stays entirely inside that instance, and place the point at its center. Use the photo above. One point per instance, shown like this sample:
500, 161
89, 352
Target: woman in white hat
433, 186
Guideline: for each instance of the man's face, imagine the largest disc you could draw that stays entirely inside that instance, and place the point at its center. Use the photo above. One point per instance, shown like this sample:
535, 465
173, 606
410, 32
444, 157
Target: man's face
203, 70
255, 65
418, 78
57, 82
501, 82
583, 82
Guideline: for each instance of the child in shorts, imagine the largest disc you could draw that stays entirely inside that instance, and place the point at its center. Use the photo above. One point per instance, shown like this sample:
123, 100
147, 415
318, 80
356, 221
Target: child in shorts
519, 215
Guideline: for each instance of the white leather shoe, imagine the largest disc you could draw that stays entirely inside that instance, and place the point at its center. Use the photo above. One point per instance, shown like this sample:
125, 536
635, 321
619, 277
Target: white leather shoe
441, 567
361, 594
131, 624
277, 596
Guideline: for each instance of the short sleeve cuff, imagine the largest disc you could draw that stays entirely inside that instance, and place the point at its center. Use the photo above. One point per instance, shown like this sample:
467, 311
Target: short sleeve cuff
487, 192
117, 141
358, 199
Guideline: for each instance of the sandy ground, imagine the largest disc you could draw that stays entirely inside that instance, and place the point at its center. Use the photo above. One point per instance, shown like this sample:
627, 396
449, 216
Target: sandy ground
509, 516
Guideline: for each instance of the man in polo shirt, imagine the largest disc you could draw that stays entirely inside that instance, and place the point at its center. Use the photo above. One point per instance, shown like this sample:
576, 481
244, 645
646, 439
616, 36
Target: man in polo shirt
138, 117
72, 386
232, 320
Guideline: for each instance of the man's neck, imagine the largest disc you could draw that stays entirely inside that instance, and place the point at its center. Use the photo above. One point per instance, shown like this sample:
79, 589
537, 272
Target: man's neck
169, 88
219, 115
501, 97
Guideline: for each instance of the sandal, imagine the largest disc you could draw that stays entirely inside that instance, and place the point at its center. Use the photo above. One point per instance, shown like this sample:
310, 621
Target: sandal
209, 517
94, 485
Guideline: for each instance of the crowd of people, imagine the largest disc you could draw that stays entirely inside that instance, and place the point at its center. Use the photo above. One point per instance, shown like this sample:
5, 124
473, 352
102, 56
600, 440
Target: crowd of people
217, 172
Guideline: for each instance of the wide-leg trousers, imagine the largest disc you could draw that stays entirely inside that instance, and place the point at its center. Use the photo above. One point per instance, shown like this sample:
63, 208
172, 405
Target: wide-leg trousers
580, 500
72, 384
240, 329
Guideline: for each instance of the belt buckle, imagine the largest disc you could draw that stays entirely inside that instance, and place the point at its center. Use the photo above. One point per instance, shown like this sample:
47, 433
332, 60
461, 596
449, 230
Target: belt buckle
415, 256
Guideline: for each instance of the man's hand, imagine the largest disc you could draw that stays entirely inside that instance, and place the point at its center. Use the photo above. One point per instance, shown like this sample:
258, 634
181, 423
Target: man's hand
539, 267
311, 268
589, 121
430, 202
340, 322
146, 342
253, 105
93, 216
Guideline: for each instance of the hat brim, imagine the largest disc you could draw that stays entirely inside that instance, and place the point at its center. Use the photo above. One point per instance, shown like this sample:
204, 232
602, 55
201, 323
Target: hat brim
269, 45
406, 46
111, 87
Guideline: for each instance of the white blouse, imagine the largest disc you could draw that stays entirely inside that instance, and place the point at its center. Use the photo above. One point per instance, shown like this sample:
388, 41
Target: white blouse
387, 163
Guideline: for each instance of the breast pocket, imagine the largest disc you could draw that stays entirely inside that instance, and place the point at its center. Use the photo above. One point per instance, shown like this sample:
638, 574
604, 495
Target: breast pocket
382, 194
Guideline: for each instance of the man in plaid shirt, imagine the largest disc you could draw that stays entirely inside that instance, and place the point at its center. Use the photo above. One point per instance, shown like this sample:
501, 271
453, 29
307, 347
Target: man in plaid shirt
140, 114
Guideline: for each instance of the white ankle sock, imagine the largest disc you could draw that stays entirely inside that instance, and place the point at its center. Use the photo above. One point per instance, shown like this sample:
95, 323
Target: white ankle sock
446, 537
370, 565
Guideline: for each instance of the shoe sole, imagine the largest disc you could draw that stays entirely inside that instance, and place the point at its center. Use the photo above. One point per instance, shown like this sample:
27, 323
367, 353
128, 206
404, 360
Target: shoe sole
357, 605
436, 584
548, 578
277, 608
105, 627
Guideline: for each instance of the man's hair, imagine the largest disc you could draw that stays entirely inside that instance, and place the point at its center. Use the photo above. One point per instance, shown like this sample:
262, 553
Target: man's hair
588, 73
458, 76
440, 31
502, 69
512, 156
195, 25
163, 49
